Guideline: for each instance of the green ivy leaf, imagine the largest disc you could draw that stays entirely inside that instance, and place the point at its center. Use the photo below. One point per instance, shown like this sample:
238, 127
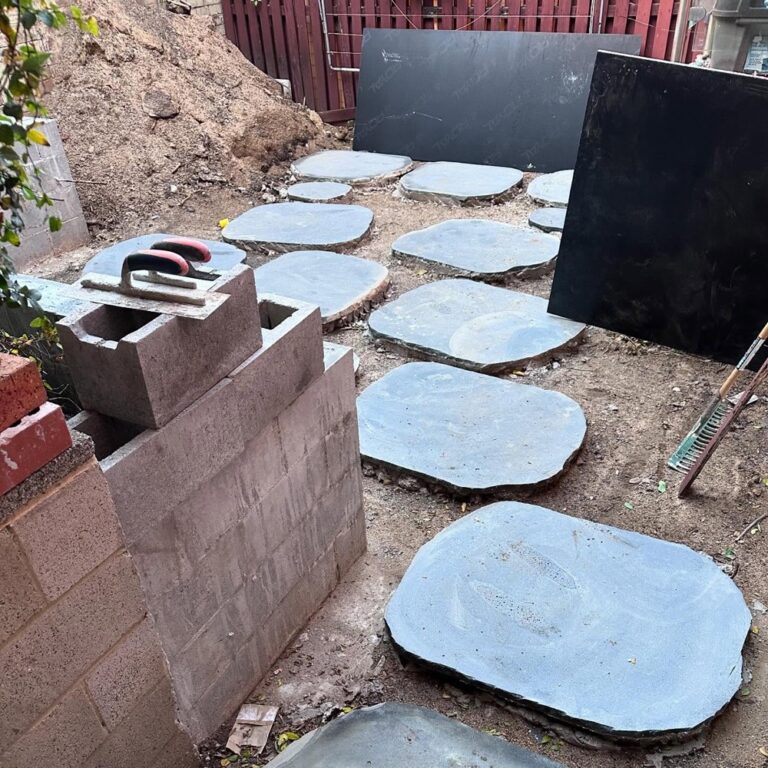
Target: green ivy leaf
54, 223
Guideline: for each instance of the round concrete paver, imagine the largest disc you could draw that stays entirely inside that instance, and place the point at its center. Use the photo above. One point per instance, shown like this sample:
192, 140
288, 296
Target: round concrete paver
548, 219
340, 285
461, 183
110, 260
552, 188
629, 636
318, 191
346, 165
394, 735
466, 431
474, 325
481, 248
291, 226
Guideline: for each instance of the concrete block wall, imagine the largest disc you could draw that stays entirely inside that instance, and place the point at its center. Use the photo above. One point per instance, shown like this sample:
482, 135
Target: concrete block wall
85, 682
56, 180
249, 510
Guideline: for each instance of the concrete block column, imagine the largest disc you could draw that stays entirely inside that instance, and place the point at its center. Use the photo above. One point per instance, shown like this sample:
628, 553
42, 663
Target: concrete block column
85, 680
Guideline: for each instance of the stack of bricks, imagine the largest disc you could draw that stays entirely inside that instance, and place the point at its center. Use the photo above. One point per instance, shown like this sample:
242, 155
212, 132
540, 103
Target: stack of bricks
231, 452
84, 679
32, 430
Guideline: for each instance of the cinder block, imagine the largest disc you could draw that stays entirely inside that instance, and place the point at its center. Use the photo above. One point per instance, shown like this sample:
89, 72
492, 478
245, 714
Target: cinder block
21, 389
263, 464
277, 575
340, 506
342, 448
304, 422
350, 545
130, 670
181, 612
64, 737
168, 464
70, 530
342, 395
29, 445
213, 508
254, 542
145, 368
140, 740
286, 505
20, 596
159, 558
292, 357
58, 646
203, 661
224, 696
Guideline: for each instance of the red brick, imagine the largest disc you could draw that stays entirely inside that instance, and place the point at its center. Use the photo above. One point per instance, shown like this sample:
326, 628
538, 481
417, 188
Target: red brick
30, 445
21, 389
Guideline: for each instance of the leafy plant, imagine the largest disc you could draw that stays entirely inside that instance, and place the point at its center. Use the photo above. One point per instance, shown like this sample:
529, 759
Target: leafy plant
22, 25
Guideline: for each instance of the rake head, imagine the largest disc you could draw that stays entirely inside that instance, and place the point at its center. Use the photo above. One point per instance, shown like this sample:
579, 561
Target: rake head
696, 441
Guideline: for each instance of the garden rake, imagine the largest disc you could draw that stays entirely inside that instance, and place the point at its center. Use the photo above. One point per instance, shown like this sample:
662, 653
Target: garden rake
696, 443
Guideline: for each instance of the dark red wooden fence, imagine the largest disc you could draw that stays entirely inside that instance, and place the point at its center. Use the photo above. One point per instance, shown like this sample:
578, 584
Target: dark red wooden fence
285, 37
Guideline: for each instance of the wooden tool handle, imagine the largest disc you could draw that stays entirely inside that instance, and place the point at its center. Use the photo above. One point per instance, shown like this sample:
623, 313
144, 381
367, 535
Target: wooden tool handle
186, 247
764, 333
728, 383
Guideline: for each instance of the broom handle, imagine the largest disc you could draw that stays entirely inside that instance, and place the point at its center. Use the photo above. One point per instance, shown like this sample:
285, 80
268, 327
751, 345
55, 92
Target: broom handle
745, 361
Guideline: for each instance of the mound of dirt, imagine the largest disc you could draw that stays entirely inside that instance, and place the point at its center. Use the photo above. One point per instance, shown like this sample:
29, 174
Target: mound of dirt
159, 105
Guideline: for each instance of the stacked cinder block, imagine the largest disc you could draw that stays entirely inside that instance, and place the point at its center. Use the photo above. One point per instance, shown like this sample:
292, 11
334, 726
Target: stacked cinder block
84, 679
244, 508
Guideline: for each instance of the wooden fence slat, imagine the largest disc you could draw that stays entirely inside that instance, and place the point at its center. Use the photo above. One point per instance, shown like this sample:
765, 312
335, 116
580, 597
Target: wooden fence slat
663, 29
318, 99
620, 17
254, 36
547, 23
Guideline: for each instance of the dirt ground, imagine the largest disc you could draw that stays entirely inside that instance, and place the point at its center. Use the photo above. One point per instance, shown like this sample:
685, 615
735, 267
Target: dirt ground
639, 399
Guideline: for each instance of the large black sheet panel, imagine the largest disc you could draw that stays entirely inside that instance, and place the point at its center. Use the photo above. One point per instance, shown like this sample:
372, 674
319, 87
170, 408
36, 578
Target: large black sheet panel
666, 234
515, 99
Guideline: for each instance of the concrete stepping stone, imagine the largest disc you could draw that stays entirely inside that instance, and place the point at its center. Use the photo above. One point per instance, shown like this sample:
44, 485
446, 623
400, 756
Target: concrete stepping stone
342, 286
552, 188
461, 183
292, 226
631, 637
481, 248
332, 352
110, 260
548, 219
474, 325
393, 735
466, 431
318, 191
346, 165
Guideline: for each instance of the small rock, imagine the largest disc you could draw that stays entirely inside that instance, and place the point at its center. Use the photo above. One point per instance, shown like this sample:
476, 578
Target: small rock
613, 407
158, 104
174, 189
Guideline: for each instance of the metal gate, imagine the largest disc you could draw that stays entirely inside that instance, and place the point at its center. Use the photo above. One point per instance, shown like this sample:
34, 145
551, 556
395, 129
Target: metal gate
316, 43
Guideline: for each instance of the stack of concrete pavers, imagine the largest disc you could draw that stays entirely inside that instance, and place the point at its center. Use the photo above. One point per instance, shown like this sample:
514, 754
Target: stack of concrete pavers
32, 430
232, 455
84, 678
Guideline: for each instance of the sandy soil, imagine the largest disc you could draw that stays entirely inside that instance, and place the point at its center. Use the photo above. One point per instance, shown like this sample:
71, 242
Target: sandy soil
639, 400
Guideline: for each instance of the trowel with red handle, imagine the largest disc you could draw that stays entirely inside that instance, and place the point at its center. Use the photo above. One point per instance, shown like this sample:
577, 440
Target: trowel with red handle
193, 251
172, 291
